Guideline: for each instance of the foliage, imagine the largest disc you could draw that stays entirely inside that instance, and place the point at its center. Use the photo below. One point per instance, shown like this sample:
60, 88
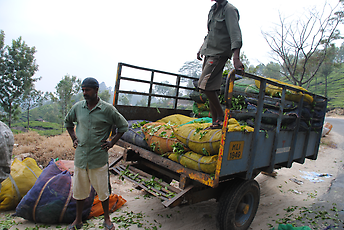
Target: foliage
244, 60
124, 99
272, 70
127, 219
31, 98
47, 112
105, 95
143, 102
295, 44
42, 128
328, 66
191, 68
65, 90
164, 90
310, 216
335, 87
17, 67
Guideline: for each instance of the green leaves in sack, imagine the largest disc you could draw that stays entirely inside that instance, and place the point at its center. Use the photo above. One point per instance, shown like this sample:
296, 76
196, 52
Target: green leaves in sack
178, 148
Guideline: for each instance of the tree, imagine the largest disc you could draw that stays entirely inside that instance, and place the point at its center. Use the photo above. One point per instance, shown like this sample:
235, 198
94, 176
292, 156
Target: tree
191, 68
105, 95
272, 70
123, 99
165, 91
65, 89
143, 102
294, 43
32, 98
229, 65
17, 67
340, 54
328, 66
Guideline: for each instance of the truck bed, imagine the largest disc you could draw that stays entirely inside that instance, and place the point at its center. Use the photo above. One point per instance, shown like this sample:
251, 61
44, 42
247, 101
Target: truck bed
242, 154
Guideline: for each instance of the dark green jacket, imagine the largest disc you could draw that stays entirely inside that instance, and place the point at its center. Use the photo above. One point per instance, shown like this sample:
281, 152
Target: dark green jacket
224, 34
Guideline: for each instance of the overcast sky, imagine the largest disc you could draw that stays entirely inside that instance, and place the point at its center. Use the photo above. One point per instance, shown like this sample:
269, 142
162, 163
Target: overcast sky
88, 38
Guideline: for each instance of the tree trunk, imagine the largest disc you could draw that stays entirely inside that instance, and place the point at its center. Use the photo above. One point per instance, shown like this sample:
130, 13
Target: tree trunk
326, 86
10, 115
28, 118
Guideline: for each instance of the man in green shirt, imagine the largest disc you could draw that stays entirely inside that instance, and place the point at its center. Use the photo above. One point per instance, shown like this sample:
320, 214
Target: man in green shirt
222, 41
94, 120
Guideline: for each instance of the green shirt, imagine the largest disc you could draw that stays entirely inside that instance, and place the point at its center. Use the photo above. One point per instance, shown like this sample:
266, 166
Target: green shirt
91, 128
224, 34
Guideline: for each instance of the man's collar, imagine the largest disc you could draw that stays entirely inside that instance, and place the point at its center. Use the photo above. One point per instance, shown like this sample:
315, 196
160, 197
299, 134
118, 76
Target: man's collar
99, 104
222, 4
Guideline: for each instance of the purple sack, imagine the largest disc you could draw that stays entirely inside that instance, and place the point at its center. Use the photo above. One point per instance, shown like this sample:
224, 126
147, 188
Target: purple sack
50, 199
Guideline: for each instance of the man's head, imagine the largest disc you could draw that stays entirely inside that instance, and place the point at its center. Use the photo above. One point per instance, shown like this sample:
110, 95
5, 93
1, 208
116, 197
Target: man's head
90, 88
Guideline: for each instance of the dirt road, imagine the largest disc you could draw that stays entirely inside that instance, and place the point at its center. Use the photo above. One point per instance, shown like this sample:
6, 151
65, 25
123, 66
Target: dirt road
297, 195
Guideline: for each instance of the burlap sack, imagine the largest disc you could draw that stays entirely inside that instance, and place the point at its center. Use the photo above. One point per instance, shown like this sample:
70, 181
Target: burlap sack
196, 161
160, 137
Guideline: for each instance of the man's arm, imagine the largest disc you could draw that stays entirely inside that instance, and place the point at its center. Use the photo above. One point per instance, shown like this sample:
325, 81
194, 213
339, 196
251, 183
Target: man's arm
109, 144
236, 60
73, 136
199, 55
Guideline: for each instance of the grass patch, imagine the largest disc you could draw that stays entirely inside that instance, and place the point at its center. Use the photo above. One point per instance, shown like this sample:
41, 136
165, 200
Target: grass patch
42, 128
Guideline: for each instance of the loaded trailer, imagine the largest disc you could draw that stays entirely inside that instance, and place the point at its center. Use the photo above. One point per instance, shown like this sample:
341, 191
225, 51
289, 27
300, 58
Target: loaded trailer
241, 156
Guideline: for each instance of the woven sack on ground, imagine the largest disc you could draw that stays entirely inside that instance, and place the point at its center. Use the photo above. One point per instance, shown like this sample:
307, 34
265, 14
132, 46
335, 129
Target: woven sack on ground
196, 161
23, 176
50, 200
115, 202
176, 119
160, 137
134, 134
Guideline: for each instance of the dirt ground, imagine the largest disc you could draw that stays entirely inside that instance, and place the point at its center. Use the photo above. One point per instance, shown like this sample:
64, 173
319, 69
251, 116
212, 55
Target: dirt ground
282, 198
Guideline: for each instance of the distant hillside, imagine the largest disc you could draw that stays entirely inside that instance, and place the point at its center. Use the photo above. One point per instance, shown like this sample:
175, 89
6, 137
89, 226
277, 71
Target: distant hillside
335, 88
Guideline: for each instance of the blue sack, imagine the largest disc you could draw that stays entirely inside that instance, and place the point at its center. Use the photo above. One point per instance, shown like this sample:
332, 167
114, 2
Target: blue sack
50, 200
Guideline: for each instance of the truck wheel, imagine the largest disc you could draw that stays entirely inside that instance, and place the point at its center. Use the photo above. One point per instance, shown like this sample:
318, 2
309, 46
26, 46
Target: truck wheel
238, 204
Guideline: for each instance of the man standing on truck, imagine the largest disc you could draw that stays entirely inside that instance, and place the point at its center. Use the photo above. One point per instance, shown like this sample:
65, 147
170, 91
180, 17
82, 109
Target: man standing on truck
94, 119
222, 41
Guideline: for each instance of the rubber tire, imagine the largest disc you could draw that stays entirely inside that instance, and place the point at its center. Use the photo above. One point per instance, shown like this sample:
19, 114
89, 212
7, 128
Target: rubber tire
234, 193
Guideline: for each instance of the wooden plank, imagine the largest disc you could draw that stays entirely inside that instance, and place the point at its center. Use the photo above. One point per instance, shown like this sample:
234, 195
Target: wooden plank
177, 199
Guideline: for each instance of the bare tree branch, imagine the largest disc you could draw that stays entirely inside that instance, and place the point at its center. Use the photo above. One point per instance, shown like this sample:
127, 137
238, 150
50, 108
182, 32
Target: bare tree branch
294, 43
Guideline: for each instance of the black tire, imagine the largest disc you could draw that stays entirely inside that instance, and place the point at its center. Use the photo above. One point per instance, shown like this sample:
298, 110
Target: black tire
238, 204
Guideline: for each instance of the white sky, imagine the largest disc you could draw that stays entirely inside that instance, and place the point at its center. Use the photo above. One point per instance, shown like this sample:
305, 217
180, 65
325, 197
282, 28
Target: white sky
88, 38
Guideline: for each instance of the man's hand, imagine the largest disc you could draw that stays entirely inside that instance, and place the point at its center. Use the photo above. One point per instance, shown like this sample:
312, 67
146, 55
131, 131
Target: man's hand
238, 64
199, 55
236, 60
75, 143
73, 136
107, 145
